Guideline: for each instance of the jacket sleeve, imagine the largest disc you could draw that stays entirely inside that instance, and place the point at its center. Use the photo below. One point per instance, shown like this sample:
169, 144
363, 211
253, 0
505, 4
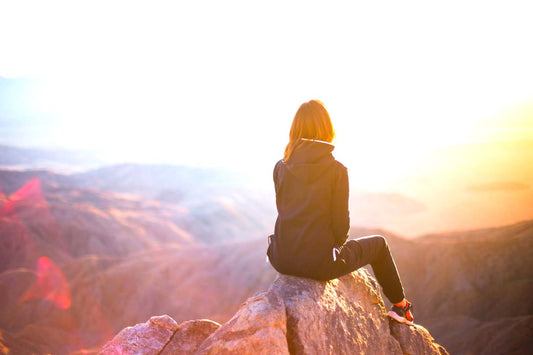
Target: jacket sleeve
340, 209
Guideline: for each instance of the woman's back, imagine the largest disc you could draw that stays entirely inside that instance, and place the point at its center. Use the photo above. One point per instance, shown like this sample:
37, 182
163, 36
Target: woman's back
312, 219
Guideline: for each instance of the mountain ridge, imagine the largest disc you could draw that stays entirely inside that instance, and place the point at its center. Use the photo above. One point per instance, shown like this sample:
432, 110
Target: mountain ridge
113, 247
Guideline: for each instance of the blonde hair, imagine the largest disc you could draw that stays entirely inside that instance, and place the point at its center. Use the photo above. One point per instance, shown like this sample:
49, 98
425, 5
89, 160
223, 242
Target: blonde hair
311, 121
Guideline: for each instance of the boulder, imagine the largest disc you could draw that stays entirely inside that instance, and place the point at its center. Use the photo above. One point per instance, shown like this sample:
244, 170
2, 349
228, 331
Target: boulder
147, 338
189, 336
415, 340
341, 316
258, 327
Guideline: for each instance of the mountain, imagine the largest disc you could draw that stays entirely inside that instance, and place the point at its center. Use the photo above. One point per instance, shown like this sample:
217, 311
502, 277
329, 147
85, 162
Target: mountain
192, 198
472, 288
61, 222
109, 293
67, 254
451, 193
79, 263
211, 281
57, 159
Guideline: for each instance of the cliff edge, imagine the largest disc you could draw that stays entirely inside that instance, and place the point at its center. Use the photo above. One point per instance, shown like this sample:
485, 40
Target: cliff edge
295, 316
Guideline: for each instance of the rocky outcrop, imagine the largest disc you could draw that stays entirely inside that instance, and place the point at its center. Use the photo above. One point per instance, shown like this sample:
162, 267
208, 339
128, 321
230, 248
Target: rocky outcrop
161, 335
147, 338
258, 327
295, 316
415, 339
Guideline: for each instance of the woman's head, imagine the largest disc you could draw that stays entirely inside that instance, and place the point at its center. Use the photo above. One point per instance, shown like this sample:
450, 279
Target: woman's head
311, 121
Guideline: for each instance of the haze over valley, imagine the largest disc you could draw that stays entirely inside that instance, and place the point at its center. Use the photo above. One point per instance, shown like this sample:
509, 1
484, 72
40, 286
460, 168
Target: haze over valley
87, 254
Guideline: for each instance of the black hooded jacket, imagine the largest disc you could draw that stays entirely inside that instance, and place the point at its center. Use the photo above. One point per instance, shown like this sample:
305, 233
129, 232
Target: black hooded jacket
312, 202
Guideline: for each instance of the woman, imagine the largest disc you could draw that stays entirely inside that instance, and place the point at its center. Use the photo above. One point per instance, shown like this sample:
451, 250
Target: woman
313, 221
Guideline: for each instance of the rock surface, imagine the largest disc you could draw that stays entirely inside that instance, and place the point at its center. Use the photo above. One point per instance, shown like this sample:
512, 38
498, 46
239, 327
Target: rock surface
258, 327
415, 340
189, 336
161, 335
146, 338
296, 316
344, 315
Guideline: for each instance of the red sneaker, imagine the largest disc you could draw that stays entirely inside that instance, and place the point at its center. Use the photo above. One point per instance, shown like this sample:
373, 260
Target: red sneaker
402, 314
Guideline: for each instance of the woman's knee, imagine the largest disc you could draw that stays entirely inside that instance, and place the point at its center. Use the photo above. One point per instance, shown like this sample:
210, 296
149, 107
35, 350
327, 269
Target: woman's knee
372, 246
384, 241
380, 241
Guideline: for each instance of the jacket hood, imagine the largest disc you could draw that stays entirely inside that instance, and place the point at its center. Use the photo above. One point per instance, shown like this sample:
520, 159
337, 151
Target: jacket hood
310, 159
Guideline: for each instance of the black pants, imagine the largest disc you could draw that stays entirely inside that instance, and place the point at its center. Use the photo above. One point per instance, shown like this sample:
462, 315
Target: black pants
372, 250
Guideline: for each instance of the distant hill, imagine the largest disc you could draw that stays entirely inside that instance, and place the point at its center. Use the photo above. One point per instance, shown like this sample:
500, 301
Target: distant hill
65, 223
451, 193
121, 259
213, 205
79, 261
56, 159
472, 288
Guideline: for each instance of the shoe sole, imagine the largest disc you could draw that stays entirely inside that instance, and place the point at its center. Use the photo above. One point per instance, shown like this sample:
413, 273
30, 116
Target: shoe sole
399, 319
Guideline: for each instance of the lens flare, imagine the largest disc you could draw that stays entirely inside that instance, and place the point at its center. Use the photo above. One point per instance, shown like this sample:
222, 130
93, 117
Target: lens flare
29, 191
50, 284
29, 197
26, 206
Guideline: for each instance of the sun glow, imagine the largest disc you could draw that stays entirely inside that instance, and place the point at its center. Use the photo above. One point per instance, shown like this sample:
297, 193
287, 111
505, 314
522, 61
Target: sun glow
206, 85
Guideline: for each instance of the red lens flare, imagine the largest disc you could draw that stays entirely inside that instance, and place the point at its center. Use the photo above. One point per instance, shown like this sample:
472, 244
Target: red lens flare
30, 192
50, 284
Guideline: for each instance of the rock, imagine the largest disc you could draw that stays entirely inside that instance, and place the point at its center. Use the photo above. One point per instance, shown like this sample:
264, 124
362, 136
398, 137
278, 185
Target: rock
146, 338
295, 316
258, 327
345, 315
415, 340
189, 336
161, 335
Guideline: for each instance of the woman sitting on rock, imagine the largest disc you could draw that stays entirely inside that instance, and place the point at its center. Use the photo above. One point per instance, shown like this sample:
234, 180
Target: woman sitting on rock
313, 221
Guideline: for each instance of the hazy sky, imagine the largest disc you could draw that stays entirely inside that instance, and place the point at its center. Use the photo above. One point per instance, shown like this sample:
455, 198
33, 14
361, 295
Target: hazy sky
218, 82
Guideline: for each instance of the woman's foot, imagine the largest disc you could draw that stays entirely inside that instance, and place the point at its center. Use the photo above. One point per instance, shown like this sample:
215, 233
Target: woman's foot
401, 312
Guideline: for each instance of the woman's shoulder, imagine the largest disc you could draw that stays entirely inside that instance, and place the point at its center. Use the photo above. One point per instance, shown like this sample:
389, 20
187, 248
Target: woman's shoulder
276, 170
340, 166
279, 164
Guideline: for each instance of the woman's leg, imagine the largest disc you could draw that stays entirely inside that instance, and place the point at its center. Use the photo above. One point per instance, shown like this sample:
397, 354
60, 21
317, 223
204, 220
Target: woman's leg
374, 250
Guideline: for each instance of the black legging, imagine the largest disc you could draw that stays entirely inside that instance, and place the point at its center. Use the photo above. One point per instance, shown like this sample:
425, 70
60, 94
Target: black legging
372, 250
